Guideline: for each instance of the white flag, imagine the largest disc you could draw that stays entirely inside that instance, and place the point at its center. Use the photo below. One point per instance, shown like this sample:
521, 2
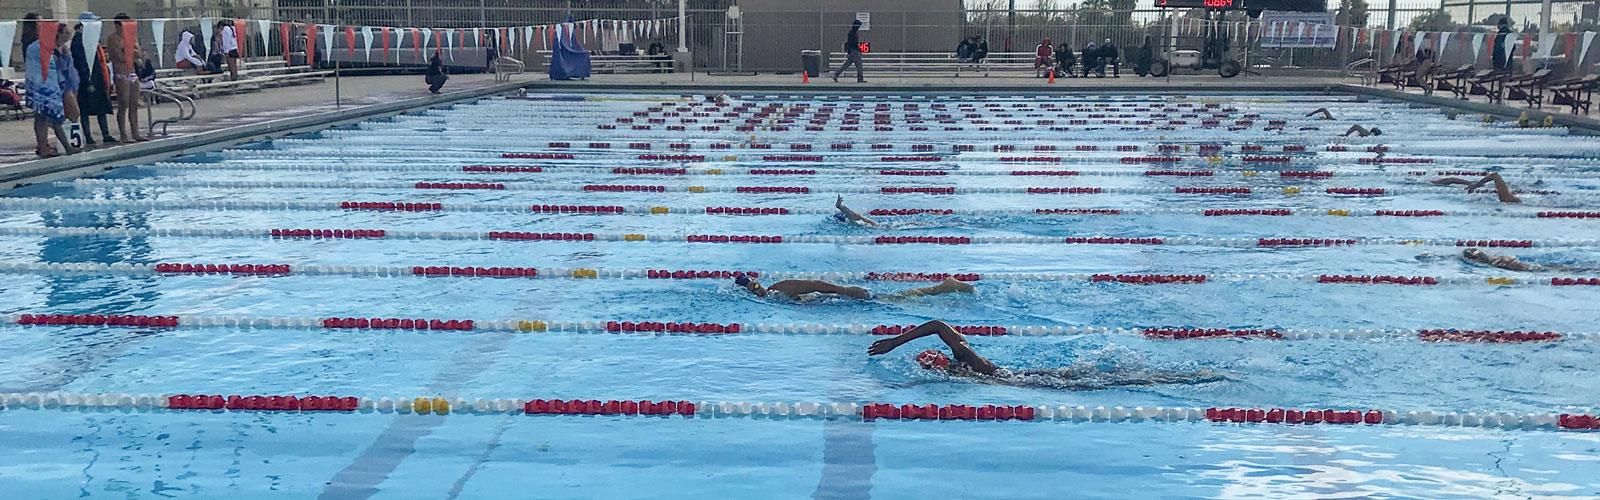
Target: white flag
327, 40
450, 43
366, 34
427, 36
527, 38
1511, 44
263, 28
1444, 41
158, 27
399, 35
1547, 41
1416, 42
1588, 36
91, 41
8, 32
206, 26
1477, 46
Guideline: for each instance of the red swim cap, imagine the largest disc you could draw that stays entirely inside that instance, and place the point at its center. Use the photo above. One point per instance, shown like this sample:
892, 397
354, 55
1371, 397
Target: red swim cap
933, 360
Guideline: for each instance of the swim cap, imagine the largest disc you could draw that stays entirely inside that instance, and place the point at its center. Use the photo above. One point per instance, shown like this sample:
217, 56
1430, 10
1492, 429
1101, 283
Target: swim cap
839, 216
742, 281
933, 360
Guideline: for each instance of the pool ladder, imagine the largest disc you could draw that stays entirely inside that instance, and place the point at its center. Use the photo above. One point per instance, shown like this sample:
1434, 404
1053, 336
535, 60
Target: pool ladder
154, 98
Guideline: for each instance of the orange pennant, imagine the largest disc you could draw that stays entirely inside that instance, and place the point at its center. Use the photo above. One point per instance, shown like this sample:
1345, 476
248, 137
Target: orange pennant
350, 40
416, 42
311, 44
47, 44
238, 35
130, 39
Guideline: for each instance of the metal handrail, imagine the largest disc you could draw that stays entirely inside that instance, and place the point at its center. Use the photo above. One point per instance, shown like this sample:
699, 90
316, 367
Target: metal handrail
177, 99
503, 67
1368, 76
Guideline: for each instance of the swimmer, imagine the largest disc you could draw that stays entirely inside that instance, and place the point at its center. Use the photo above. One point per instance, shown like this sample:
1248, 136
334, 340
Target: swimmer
1362, 131
1322, 111
1510, 263
969, 365
802, 289
846, 215
1500, 187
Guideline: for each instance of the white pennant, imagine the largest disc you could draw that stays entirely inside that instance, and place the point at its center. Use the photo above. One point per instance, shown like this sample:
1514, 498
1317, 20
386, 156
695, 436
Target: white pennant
527, 39
158, 27
1477, 46
8, 32
206, 26
1394, 40
1588, 36
327, 40
263, 29
1416, 42
477, 38
1547, 41
91, 41
450, 43
1510, 44
399, 36
366, 34
1444, 42
427, 36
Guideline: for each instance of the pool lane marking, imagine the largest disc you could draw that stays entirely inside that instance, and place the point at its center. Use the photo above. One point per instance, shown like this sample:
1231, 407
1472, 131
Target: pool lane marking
440, 406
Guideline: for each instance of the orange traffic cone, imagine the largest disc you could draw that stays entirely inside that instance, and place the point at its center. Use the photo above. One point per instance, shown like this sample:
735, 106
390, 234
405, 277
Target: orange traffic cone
1052, 76
805, 76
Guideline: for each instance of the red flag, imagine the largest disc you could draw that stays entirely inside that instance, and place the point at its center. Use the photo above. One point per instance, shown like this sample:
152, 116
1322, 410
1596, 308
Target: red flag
1527, 41
283, 33
385, 43
505, 41
1572, 44
130, 39
416, 42
311, 44
47, 44
238, 35
350, 40
1488, 46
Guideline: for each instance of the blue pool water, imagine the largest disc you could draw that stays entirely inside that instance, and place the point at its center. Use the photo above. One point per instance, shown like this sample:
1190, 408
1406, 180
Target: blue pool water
54, 453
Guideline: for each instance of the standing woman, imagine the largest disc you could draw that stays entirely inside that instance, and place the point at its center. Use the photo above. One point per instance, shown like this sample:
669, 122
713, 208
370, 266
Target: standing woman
94, 81
126, 79
44, 91
230, 47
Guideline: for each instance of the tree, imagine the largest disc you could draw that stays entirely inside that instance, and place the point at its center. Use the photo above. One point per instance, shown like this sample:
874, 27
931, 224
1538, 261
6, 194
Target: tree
1435, 20
1352, 13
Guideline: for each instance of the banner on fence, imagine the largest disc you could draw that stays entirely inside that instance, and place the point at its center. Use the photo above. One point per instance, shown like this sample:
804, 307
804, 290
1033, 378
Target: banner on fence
1286, 29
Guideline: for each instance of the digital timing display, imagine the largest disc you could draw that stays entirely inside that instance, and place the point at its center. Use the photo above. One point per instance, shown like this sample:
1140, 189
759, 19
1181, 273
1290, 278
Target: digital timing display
1196, 4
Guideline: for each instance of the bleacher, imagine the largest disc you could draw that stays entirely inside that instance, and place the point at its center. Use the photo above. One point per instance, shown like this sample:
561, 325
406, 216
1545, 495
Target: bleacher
613, 63
254, 74
944, 64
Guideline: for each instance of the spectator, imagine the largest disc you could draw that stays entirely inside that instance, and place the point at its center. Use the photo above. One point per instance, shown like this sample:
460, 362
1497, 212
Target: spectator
69, 83
215, 59
44, 88
125, 77
94, 85
1065, 60
1108, 56
8, 94
1143, 56
964, 49
435, 76
1425, 67
981, 51
852, 51
230, 47
1091, 60
1043, 57
1501, 62
186, 57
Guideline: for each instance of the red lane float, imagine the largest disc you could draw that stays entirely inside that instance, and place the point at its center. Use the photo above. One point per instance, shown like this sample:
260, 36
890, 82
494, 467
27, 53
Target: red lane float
576, 209
1294, 148
459, 185
781, 171
1266, 159
875, 276
609, 407
909, 211
1149, 279
1495, 243
909, 158
1211, 190
501, 169
1151, 159
791, 158
1302, 242
1356, 191
982, 331
723, 238
772, 189
611, 188
98, 320
1207, 333
1246, 211
1566, 421
1409, 213
913, 172
1305, 174
917, 190
1378, 280
1030, 159
1569, 215
1100, 240
1395, 160
1293, 416
655, 326
939, 240
747, 211
946, 412
1064, 190
512, 272
327, 233
1485, 336
261, 403
650, 171
1575, 281
223, 268
1179, 173
515, 235
386, 205
397, 324
541, 156
664, 274
1045, 172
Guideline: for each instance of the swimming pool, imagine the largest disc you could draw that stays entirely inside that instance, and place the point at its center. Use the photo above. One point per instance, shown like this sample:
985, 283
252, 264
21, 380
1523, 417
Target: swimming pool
1051, 201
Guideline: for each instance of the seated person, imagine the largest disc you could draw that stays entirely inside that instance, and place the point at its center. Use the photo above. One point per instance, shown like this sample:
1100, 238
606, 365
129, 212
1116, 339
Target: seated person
186, 56
970, 366
1043, 57
1091, 60
799, 289
1500, 187
1065, 60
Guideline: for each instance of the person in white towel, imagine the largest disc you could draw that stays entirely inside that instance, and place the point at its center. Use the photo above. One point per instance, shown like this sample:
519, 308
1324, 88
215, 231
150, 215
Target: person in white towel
186, 56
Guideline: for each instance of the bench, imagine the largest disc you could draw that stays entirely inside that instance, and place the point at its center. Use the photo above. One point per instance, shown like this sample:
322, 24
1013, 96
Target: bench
1451, 81
1529, 87
914, 63
1575, 92
1489, 83
197, 86
1393, 73
616, 63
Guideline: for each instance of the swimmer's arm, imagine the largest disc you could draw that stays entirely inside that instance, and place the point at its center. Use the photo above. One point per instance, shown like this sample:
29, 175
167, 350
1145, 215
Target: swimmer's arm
851, 214
797, 288
1161, 377
957, 342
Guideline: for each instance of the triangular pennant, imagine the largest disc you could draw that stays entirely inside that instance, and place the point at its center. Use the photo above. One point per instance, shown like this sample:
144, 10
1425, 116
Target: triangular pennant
1509, 45
1527, 43
350, 42
91, 41
158, 28
47, 45
477, 38
416, 42
238, 35
1477, 46
206, 25
130, 39
449, 43
1572, 44
327, 39
1547, 41
1418, 40
527, 39
366, 35
427, 37
399, 39
311, 44
283, 36
1444, 42
1588, 36
263, 29
385, 33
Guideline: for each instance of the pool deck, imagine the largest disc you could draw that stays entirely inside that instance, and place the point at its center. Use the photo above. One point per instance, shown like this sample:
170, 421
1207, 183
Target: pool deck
235, 119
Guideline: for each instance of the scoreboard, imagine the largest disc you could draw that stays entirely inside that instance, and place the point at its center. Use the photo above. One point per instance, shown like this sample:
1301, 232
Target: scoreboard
1198, 4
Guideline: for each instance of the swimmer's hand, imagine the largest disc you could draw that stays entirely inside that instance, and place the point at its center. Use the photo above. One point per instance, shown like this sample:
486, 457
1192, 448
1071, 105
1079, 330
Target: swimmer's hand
883, 346
839, 203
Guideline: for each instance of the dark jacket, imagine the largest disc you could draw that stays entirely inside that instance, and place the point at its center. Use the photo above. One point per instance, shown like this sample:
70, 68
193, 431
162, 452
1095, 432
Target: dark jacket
852, 42
93, 98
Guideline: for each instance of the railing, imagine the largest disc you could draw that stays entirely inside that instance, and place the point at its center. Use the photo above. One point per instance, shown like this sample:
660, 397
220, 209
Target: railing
1366, 69
178, 100
506, 66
